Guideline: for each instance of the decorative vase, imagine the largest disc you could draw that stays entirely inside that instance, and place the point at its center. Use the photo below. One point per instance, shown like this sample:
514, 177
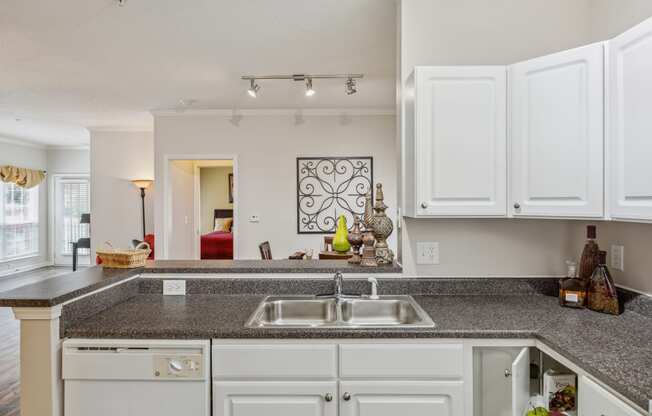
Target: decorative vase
341, 241
355, 239
368, 211
382, 228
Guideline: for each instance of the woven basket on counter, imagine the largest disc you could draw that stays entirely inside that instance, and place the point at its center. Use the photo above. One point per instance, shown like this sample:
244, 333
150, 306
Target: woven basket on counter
124, 258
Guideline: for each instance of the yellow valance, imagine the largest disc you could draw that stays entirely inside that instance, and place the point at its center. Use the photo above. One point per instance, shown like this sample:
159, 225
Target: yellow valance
25, 178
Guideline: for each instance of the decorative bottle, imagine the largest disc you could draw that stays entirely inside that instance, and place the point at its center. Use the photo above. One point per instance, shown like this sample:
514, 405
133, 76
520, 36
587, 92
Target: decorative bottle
572, 291
590, 255
603, 296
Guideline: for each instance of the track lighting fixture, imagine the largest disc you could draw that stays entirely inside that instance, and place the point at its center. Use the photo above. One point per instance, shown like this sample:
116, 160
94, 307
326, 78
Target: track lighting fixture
309, 90
350, 85
253, 88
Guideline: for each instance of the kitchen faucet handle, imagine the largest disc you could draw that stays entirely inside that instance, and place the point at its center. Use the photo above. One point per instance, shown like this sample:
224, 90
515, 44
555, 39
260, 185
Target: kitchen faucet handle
374, 287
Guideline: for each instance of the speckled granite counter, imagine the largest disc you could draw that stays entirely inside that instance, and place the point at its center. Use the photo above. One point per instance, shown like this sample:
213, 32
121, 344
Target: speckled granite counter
616, 350
63, 288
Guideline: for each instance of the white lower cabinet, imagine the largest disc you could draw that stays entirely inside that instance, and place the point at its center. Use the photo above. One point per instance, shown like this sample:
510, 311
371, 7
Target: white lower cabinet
594, 400
274, 398
409, 398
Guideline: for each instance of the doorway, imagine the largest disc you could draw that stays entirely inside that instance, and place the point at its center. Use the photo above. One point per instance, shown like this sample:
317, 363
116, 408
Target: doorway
200, 210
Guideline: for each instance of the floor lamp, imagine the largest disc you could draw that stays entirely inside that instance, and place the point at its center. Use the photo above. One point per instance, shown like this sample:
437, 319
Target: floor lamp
142, 184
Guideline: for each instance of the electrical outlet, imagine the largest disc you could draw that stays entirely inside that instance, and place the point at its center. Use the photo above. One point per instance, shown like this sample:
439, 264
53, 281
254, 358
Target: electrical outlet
427, 253
618, 257
174, 287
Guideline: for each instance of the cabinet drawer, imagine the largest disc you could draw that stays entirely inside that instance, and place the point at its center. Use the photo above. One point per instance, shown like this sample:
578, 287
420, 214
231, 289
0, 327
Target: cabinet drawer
397, 361
594, 400
274, 361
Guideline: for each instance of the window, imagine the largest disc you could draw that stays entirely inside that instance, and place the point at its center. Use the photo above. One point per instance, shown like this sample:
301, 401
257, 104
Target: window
19, 217
74, 202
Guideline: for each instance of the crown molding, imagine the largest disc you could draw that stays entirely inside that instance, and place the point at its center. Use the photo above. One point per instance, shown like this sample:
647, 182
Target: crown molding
69, 147
306, 112
123, 129
24, 143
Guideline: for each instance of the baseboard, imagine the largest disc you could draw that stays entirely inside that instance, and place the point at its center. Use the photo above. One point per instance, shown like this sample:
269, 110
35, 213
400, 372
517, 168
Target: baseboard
25, 268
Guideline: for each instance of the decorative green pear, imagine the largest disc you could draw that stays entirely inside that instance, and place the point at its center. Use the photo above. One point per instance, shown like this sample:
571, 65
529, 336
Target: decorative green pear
341, 240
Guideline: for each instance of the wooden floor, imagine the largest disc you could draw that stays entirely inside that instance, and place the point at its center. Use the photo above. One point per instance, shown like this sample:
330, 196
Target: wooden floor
9, 339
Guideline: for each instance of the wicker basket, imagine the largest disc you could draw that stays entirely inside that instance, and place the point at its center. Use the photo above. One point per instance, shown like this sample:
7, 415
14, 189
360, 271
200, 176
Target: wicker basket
124, 259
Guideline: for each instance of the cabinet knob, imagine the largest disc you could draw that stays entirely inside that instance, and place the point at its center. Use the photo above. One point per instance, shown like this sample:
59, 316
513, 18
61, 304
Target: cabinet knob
328, 397
517, 205
424, 205
346, 396
508, 373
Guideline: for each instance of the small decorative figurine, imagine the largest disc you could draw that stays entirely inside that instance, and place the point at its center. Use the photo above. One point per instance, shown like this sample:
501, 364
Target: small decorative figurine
355, 239
383, 227
341, 241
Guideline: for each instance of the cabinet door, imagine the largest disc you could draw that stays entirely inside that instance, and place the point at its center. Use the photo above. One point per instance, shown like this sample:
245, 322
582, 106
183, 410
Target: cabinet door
557, 134
521, 382
460, 141
594, 400
630, 123
275, 398
391, 398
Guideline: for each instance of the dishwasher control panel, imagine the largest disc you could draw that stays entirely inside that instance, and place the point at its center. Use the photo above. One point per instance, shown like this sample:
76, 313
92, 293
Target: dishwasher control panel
178, 366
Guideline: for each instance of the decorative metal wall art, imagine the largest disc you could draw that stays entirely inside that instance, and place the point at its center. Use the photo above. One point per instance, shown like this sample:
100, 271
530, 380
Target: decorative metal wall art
328, 187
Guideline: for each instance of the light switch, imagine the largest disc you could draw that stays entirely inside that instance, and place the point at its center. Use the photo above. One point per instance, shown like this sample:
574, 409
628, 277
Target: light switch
618, 257
427, 253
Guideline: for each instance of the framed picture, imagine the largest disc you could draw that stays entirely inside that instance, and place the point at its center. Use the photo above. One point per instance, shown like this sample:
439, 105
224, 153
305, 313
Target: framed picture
230, 188
328, 187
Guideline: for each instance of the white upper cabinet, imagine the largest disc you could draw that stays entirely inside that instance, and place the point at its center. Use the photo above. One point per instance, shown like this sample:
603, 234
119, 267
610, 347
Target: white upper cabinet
557, 134
456, 147
630, 123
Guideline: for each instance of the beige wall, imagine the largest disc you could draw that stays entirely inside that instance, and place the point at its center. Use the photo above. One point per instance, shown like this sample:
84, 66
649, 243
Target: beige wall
488, 32
117, 157
214, 190
266, 148
610, 18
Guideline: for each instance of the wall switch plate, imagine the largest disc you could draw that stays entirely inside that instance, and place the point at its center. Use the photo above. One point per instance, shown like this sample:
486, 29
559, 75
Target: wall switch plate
427, 253
254, 218
174, 287
618, 257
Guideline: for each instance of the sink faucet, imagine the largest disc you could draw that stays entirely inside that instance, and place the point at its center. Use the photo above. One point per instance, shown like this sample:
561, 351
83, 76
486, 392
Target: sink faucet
339, 282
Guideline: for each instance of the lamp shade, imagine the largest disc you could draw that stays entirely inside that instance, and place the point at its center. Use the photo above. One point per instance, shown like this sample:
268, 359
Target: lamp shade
142, 183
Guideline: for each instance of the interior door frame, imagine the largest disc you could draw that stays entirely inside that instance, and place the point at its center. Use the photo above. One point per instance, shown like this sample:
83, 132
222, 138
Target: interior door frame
167, 201
52, 207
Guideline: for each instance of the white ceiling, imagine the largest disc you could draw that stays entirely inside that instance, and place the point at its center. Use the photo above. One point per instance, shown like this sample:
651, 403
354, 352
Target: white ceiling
89, 63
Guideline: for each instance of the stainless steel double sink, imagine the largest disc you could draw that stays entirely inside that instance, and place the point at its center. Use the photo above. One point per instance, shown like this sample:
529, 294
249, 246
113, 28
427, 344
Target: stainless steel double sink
346, 312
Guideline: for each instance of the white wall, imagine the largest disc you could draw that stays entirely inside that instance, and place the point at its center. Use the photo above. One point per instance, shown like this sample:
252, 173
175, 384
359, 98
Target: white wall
214, 190
266, 148
32, 157
69, 161
484, 32
117, 157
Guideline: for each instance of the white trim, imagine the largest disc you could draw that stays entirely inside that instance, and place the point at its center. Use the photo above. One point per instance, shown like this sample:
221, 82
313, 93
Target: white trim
25, 268
276, 112
29, 313
24, 143
126, 129
167, 198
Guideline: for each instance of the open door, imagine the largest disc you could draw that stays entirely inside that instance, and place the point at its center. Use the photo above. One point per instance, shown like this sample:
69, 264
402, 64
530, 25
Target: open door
521, 383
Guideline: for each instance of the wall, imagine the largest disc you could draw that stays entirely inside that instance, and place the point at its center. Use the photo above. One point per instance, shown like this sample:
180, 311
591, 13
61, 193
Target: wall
33, 157
214, 190
266, 147
610, 18
488, 32
69, 160
117, 157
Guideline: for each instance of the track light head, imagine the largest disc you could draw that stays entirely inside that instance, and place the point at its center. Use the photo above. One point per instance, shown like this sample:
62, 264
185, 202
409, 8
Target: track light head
309, 90
351, 86
253, 88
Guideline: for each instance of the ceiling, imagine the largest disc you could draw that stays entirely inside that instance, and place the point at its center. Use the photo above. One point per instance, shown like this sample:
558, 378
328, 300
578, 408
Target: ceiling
67, 65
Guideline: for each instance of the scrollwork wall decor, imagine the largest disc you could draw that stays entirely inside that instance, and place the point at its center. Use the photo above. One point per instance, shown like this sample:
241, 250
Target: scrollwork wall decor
328, 187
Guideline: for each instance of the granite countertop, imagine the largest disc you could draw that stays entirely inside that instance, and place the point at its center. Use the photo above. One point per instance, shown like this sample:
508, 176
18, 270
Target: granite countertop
60, 289
615, 350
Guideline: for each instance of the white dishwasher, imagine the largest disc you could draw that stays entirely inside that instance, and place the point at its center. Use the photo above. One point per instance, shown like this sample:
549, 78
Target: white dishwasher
136, 377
